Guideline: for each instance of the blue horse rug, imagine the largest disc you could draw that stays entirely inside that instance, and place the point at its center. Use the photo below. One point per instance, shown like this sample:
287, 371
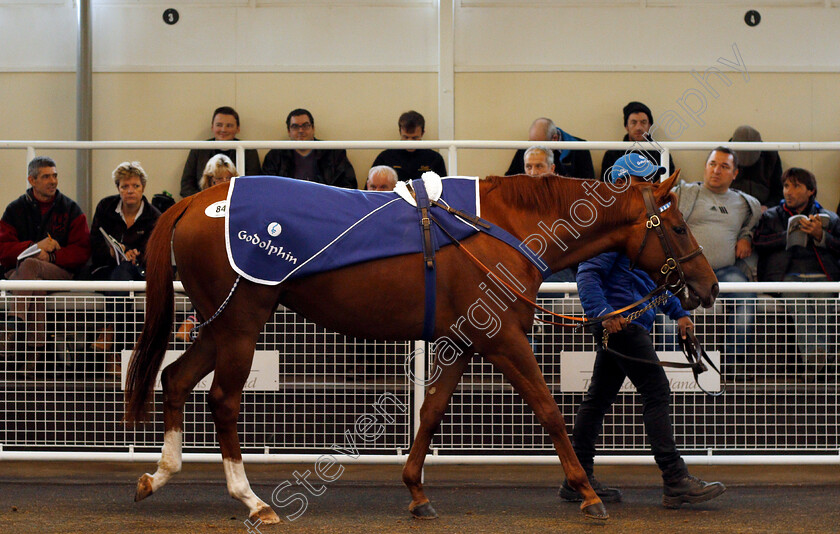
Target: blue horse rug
279, 229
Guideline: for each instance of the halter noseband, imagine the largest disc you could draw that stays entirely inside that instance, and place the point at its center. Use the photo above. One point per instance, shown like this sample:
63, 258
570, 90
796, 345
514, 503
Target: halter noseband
671, 265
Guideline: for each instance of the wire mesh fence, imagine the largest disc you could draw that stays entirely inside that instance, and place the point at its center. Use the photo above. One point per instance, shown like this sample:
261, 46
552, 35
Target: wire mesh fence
60, 384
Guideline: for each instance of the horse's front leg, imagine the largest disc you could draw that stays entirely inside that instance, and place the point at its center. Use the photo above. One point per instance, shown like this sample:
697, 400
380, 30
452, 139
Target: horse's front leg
178, 380
434, 406
515, 359
233, 364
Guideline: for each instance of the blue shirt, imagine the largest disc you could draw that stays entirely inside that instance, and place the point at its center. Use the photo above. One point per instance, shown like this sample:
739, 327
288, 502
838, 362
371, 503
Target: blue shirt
606, 283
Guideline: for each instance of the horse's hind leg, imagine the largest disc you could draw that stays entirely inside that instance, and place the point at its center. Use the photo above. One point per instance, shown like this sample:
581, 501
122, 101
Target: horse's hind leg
434, 406
178, 380
233, 365
519, 366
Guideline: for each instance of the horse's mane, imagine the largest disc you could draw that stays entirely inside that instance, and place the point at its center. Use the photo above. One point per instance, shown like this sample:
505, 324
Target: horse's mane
544, 193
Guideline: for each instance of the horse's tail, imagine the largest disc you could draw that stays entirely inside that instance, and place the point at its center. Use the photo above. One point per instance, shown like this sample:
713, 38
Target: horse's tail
160, 309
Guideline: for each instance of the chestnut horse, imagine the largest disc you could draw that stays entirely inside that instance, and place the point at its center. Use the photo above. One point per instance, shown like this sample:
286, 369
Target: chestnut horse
384, 299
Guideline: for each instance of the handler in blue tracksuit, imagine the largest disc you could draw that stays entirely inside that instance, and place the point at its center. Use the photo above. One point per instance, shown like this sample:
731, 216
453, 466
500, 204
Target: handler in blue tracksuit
606, 283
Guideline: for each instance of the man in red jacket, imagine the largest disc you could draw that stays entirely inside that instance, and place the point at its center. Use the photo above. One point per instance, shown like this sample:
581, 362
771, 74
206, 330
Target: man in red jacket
43, 236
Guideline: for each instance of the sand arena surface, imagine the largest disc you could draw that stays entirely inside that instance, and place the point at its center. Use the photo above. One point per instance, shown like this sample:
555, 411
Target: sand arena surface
89, 497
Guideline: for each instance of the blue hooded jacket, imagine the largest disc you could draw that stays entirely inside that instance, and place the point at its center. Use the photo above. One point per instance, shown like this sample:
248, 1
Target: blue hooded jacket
606, 283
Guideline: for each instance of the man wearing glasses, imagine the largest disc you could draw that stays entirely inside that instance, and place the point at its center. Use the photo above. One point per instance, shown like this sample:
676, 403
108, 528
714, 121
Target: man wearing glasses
329, 167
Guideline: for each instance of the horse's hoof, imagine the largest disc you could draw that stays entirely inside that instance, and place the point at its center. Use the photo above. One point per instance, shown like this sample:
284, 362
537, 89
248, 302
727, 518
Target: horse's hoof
144, 487
423, 511
266, 515
595, 511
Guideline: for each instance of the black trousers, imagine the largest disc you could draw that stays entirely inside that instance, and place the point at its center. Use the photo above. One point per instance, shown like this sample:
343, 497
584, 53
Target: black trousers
652, 384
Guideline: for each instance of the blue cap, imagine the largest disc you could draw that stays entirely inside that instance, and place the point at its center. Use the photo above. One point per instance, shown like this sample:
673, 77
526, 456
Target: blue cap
633, 164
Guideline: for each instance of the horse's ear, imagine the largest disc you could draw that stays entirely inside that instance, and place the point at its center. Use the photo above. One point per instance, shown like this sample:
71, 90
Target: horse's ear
663, 188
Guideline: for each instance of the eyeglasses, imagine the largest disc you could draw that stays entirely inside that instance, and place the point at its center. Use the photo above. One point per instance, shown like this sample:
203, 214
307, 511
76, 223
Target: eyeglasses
304, 126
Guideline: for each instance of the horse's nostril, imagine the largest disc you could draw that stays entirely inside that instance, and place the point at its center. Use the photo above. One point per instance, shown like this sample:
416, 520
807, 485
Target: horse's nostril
715, 290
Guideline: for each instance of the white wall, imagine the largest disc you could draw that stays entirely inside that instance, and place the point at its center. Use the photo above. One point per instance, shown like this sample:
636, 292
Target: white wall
633, 38
358, 63
397, 36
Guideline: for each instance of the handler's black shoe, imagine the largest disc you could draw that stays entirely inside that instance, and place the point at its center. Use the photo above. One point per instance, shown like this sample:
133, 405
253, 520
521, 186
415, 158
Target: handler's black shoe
692, 490
606, 494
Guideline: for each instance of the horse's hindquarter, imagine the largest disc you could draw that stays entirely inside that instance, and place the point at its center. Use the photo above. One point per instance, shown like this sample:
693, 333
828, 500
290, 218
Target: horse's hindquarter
384, 299
201, 255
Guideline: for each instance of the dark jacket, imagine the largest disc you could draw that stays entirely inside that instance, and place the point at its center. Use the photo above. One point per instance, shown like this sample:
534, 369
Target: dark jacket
22, 225
611, 156
198, 158
763, 179
572, 163
606, 283
333, 166
411, 165
770, 239
109, 220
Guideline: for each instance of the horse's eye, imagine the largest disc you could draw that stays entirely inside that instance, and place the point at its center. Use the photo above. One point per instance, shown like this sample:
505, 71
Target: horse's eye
679, 230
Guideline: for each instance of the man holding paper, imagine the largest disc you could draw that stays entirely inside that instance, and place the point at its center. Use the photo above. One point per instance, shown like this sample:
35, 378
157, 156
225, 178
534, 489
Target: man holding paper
802, 249
43, 236
821, 251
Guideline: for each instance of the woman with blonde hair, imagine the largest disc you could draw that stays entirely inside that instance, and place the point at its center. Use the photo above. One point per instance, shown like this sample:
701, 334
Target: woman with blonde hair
128, 218
219, 169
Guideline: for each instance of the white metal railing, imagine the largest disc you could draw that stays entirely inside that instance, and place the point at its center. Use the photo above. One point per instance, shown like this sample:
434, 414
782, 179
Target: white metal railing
72, 411
452, 146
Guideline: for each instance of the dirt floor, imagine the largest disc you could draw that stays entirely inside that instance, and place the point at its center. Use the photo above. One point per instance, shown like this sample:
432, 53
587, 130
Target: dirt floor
90, 497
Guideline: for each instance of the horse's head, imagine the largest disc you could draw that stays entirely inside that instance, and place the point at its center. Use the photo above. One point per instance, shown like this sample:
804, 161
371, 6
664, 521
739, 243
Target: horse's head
662, 245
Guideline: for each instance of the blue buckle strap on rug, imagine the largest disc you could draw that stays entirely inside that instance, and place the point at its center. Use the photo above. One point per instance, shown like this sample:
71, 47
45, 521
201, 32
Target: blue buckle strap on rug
423, 208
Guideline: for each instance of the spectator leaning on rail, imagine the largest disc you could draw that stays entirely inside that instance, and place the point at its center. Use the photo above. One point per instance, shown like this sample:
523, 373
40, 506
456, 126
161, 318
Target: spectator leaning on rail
381, 178
567, 162
42, 216
411, 163
779, 259
329, 167
759, 172
225, 125
722, 220
606, 283
637, 121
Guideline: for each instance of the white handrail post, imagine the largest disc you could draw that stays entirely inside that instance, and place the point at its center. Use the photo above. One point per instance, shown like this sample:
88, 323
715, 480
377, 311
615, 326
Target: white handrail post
240, 160
665, 162
422, 348
452, 164
421, 355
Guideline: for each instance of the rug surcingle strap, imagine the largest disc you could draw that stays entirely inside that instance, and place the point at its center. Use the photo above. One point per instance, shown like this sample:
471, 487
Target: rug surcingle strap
423, 208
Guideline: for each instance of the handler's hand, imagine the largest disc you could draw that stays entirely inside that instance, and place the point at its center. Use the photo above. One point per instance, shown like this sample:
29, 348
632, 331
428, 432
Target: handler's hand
685, 324
615, 324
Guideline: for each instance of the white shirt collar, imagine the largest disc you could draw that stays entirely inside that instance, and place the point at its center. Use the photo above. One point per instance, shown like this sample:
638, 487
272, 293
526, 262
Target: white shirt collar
122, 216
